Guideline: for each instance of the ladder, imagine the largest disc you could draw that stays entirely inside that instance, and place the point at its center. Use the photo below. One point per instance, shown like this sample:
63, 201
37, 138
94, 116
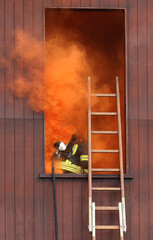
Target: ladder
121, 205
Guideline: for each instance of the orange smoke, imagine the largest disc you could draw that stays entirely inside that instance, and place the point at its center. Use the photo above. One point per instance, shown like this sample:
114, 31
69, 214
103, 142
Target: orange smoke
60, 93
65, 92
59, 88
99, 37
28, 55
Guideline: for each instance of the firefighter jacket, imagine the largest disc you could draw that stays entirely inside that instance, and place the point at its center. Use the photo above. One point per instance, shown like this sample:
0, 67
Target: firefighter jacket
75, 157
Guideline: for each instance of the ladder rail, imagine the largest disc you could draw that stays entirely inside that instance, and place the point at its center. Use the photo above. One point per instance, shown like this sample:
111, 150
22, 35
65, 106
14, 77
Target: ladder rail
121, 207
121, 155
89, 156
121, 221
93, 222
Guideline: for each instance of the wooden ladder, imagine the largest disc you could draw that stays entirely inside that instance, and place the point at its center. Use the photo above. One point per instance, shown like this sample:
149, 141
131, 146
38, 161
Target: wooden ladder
121, 205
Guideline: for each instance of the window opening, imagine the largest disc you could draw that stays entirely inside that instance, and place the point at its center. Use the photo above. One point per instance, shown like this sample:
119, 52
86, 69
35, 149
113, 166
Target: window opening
79, 43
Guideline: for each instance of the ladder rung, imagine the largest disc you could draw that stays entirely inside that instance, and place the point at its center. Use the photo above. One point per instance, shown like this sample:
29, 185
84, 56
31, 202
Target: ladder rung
105, 170
106, 208
106, 188
104, 132
103, 94
104, 151
104, 113
108, 227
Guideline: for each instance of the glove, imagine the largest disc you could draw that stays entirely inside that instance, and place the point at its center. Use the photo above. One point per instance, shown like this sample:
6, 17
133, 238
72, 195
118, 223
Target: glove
55, 155
74, 137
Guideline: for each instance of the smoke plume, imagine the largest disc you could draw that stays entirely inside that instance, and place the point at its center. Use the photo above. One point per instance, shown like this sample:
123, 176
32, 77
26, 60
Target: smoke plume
56, 72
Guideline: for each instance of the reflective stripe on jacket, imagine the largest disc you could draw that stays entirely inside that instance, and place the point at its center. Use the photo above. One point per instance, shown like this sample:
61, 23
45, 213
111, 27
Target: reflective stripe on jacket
69, 166
74, 149
84, 158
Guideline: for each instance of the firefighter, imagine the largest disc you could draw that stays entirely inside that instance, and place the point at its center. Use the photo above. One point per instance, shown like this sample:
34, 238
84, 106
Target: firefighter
73, 155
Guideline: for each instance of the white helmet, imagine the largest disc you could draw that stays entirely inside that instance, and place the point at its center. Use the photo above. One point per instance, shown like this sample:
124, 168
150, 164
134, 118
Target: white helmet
62, 146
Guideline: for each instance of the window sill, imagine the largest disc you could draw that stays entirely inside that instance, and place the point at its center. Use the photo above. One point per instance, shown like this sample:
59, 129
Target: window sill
95, 176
